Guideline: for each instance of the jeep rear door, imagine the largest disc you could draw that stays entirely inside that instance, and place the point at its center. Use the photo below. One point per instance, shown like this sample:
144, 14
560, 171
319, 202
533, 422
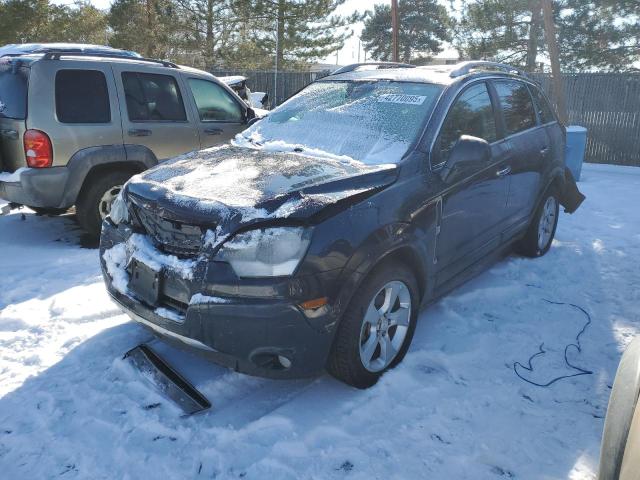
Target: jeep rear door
221, 113
14, 80
154, 111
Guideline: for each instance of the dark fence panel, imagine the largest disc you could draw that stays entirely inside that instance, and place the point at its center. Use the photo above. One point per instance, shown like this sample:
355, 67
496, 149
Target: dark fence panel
608, 104
289, 83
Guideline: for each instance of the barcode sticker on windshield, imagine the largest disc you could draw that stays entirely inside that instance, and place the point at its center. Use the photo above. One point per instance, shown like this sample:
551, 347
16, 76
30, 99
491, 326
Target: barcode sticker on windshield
401, 98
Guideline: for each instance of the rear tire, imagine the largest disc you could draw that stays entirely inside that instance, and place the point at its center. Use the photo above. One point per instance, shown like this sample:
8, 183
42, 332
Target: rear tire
381, 318
539, 237
94, 202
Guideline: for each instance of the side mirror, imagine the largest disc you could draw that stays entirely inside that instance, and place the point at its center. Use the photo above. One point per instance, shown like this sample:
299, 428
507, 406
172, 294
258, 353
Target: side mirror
468, 155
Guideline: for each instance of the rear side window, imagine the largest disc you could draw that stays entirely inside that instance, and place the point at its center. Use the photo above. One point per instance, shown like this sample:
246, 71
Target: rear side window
517, 106
545, 112
471, 114
14, 82
82, 96
214, 103
153, 97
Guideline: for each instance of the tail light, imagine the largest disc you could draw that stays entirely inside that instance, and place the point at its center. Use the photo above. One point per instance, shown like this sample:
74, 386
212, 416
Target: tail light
38, 149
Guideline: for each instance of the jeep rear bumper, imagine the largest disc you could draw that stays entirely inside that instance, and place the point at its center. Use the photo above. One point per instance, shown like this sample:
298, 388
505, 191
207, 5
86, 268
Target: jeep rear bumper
37, 188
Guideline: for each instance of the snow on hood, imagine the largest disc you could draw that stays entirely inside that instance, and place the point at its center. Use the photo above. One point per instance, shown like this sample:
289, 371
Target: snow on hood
249, 184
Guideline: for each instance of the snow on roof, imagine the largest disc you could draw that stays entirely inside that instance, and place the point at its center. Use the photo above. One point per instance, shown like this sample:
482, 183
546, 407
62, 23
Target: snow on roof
232, 80
438, 74
25, 48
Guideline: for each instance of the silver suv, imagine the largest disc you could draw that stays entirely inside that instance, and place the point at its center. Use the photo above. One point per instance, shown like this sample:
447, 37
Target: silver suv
77, 123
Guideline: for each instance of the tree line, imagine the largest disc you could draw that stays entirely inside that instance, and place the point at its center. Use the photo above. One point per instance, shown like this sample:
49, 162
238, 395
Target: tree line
253, 34
599, 35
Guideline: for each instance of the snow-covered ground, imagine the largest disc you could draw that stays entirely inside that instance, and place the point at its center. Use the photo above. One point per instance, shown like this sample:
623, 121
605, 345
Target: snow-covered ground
70, 407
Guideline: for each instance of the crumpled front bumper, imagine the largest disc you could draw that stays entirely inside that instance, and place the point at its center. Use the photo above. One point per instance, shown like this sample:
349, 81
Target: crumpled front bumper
245, 333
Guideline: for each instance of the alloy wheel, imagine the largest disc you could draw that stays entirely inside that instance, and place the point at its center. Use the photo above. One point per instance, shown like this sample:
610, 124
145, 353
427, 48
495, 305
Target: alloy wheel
547, 222
385, 326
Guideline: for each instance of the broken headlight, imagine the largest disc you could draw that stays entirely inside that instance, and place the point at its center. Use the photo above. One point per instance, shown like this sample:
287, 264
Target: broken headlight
119, 212
269, 252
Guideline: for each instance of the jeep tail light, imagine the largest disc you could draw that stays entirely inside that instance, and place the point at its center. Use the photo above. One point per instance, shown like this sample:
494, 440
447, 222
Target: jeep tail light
37, 149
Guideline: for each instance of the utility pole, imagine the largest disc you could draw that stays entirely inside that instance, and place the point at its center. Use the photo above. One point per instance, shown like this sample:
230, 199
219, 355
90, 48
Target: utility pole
554, 54
395, 29
275, 75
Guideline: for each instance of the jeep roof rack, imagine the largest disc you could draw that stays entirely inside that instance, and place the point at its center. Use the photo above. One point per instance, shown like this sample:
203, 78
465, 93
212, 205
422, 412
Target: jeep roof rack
378, 66
56, 54
464, 68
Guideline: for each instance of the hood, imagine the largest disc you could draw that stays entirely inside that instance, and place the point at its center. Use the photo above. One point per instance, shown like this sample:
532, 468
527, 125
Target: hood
231, 186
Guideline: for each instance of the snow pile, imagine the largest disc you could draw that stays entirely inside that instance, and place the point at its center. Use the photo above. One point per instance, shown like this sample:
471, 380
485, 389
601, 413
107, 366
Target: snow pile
454, 409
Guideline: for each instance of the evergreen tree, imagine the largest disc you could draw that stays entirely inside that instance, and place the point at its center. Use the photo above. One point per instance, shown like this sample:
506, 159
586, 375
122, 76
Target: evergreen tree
40, 21
424, 26
302, 30
602, 34
509, 31
144, 26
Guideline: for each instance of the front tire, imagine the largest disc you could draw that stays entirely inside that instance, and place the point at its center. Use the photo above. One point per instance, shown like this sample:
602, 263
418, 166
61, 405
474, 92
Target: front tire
377, 327
94, 202
542, 230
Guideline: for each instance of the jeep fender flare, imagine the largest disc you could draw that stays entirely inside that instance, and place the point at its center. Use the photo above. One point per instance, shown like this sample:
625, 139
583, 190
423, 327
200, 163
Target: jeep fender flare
89, 161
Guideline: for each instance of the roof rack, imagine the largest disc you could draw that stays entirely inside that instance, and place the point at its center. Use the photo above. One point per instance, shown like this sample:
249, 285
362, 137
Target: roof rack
55, 55
379, 65
464, 68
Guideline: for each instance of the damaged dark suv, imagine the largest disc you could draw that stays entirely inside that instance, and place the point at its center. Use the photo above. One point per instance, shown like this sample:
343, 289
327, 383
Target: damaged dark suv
312, 241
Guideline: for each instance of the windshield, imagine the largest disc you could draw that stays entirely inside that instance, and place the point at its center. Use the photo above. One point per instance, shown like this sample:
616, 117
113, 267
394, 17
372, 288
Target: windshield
13, 90
371, 121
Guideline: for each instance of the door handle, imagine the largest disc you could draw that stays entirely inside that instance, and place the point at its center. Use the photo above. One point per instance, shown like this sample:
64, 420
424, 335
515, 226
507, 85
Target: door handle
139, 132
213, 131
544, 150
504, 172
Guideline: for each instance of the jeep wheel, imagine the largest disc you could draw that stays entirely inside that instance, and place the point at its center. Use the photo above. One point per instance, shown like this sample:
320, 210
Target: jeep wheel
542, 230
377, 327
94, 202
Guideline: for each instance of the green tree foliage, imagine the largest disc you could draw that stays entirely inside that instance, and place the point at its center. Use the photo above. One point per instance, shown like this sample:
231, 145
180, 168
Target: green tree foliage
424, 26
303, 30
508, 31
40, 21
144, 26
601, 34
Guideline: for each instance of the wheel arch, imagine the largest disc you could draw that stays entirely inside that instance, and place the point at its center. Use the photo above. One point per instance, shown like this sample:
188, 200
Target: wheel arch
405, 253
88, 163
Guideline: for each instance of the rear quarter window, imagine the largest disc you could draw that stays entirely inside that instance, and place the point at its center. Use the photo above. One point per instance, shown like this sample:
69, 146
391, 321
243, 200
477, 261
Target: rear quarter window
517, 106
82, 96
14, 84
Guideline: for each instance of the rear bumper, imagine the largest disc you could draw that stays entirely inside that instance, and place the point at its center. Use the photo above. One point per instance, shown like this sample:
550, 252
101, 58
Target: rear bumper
37, 188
